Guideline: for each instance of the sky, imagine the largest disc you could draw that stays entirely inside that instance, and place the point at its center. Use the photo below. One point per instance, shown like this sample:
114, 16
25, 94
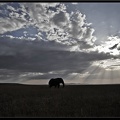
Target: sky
77, 41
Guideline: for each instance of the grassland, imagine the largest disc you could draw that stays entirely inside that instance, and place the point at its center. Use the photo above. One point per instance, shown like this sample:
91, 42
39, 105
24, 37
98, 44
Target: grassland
72, 101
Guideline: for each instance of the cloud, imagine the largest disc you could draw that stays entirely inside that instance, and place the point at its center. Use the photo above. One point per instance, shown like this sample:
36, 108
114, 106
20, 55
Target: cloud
110, 46
2, 3
74, 3
59, 25
52, 20
60, 44
41, 59
12, 19
42, 56
74, 27
44, 40
60, 19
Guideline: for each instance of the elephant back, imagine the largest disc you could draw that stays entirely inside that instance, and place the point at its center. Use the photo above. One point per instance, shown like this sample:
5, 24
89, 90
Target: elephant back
56, 82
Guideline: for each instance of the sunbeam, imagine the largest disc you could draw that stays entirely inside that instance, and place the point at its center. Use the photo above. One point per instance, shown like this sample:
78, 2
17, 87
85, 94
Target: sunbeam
94, 73
105, 72
99, 72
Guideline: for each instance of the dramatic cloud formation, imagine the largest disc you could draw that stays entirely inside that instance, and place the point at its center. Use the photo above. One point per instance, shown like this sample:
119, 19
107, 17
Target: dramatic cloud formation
45, 40
51, 19
110, 46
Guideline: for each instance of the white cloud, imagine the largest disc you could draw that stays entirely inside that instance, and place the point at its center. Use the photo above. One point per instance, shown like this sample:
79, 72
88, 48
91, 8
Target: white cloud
2, 3
14, 21
110, 42
53, 19
10, 8
59, 25
74, 3
11, 24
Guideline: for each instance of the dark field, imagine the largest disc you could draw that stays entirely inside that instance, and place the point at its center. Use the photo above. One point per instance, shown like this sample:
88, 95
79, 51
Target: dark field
71, 101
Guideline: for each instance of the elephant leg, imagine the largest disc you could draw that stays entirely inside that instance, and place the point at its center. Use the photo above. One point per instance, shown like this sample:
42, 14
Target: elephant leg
50, 86
58, 85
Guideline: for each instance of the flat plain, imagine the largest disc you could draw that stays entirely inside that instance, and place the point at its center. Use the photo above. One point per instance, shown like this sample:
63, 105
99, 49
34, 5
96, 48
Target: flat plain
18, 100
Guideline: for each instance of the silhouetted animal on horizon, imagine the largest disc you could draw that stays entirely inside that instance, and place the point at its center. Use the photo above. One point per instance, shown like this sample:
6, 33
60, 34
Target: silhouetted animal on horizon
56, 82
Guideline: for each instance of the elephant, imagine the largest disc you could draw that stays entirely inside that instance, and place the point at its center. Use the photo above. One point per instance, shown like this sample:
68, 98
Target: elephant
56, 82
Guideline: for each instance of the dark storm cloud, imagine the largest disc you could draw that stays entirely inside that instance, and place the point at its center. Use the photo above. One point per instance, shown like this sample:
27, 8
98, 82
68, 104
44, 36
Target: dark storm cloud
38, 56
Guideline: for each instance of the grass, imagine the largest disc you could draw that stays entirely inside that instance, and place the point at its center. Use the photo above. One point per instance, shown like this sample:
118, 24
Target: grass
72, 101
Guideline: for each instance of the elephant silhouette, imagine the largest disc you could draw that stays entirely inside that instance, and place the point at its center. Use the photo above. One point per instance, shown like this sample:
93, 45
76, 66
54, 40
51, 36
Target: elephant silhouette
56, 82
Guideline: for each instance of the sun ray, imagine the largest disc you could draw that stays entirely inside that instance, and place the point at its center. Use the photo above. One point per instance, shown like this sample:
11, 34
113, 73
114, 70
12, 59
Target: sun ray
91, 73
116, 76
99, 76
106, 77
103, 76
111, 76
